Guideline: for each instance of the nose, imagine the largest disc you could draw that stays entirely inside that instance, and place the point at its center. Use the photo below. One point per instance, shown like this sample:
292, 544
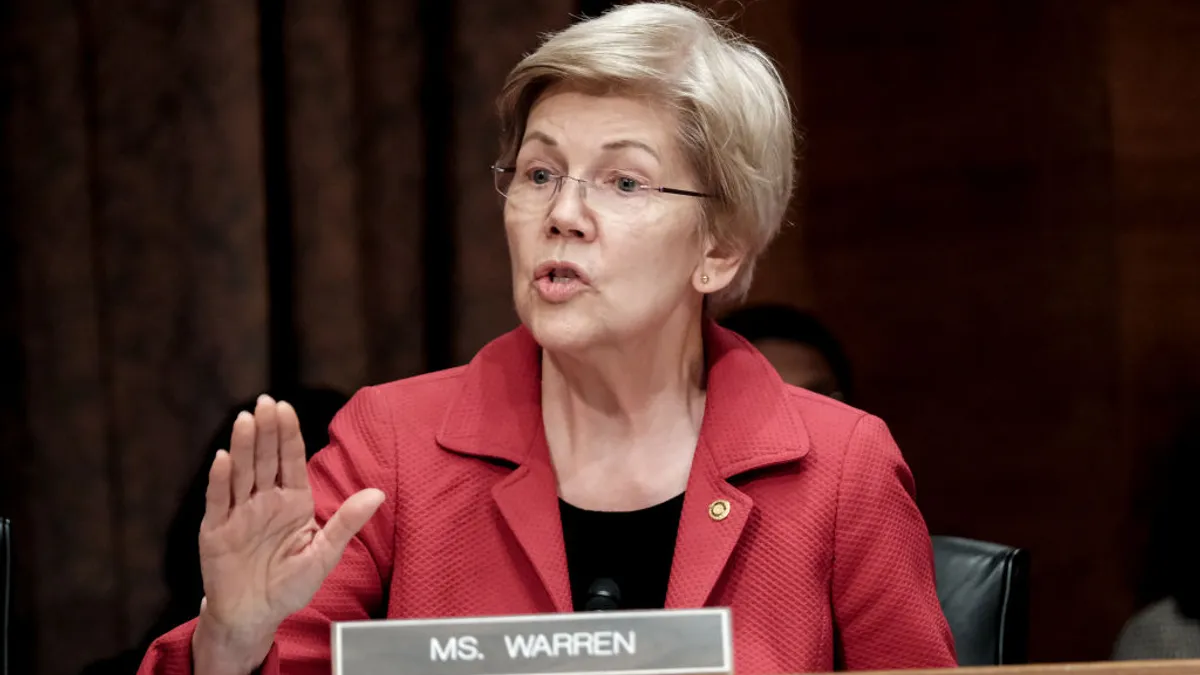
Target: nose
568, 216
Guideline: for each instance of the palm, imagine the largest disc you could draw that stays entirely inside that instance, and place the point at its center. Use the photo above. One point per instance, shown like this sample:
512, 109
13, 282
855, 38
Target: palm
262, 553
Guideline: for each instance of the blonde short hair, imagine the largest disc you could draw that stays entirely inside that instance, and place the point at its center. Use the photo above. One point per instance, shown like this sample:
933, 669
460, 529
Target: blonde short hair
736, 124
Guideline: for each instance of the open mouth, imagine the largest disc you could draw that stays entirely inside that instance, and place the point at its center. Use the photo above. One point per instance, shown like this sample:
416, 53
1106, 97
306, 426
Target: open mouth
560, 273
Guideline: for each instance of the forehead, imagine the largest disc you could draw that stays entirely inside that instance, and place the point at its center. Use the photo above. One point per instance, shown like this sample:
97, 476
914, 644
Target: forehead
590, 122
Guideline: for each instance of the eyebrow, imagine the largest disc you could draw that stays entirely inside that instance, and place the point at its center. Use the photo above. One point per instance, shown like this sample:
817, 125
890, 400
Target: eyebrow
609, 146
630, 143
539, 136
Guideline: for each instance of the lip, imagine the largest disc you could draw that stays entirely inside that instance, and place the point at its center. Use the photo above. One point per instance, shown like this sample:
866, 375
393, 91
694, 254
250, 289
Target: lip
558, 292
542, 271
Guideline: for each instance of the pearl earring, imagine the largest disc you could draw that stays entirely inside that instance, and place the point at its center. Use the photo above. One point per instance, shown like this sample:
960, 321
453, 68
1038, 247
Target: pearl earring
704, 278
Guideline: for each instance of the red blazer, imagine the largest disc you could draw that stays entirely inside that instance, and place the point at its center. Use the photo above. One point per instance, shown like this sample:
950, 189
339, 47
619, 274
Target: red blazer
824, 558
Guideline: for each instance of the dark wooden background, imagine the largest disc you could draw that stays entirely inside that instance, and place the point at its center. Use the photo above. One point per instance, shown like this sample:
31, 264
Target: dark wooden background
999, 214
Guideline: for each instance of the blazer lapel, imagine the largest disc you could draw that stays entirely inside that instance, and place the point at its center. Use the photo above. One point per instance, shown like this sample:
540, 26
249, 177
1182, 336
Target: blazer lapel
528, 500
714, 515
748, 425
497, 416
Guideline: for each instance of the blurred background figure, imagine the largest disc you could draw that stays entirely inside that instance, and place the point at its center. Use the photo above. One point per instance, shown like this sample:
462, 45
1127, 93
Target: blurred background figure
1168, 627
801, 348
315, 408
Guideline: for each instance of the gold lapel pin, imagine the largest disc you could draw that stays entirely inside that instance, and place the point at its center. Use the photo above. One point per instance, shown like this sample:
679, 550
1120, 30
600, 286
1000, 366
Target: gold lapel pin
718, 510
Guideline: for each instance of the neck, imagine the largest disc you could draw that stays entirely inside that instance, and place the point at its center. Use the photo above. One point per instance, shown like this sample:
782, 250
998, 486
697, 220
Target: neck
642, 393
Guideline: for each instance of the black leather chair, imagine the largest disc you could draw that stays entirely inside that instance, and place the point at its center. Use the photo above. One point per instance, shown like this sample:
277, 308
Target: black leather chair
5, 574
984, 591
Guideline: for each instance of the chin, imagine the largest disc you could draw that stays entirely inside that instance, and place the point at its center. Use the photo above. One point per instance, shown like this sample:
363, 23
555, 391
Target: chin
562, 328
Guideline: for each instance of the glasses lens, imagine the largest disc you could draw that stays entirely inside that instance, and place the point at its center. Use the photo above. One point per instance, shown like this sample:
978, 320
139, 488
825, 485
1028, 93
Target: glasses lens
608, 198
604, 197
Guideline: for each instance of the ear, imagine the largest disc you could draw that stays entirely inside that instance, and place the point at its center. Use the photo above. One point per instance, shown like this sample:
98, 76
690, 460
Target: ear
716, 270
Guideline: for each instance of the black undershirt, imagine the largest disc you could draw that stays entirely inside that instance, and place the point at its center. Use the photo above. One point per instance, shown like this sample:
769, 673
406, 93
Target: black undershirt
632, 548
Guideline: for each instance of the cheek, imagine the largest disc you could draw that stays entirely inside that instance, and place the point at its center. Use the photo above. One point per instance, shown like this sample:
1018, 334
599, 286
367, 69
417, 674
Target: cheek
664, 254
515, 233
511, 226
677, 244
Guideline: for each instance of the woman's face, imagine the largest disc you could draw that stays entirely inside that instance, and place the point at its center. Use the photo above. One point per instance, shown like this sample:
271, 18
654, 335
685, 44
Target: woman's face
603, 262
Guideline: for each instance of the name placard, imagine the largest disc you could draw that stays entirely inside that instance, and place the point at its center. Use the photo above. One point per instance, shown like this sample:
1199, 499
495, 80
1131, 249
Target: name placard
667, 642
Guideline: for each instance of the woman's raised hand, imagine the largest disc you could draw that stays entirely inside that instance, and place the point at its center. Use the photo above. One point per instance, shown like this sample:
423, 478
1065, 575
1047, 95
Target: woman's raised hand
262, 553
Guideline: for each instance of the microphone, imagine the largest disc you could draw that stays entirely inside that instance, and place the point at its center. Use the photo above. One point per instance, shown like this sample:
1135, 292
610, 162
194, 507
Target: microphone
603, 594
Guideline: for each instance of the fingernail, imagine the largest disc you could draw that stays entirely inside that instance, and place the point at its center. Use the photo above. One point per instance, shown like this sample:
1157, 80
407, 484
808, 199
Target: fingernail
263, 398
244, 415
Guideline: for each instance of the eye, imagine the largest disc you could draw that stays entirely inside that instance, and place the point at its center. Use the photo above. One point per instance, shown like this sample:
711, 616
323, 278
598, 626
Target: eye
540, 176
627, 184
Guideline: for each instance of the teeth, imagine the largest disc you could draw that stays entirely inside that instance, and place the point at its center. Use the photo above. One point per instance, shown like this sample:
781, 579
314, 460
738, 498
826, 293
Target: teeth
562, 275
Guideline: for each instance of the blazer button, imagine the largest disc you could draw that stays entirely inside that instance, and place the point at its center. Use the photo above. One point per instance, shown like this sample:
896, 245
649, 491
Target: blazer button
718, 510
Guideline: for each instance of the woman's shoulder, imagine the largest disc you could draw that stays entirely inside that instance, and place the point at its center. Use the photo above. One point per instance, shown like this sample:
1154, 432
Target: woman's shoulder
400, 415
829, 423
856, 447
423, 393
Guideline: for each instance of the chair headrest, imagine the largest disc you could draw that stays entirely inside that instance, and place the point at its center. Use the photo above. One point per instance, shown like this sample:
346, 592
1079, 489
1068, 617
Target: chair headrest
984, 591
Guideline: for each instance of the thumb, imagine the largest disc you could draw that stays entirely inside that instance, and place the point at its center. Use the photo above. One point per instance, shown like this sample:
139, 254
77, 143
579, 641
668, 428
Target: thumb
349, 519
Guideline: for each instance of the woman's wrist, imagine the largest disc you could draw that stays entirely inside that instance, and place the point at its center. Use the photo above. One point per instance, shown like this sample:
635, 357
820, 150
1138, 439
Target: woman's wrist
222, 650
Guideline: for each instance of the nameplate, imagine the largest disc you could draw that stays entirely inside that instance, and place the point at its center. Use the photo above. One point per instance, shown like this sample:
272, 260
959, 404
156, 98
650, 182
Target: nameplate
678, 642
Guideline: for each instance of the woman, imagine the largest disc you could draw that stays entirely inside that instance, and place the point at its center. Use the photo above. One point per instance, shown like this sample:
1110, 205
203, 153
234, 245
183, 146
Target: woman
646, 162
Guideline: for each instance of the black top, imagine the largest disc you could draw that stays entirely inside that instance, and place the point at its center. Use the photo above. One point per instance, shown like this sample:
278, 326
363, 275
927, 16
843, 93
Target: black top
632, 548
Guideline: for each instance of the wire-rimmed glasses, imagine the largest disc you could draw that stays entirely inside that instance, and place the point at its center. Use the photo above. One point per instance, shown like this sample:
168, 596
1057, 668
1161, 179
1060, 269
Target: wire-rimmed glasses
535, 187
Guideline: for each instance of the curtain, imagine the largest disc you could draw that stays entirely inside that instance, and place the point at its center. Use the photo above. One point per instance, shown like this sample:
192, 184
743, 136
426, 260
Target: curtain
204, 201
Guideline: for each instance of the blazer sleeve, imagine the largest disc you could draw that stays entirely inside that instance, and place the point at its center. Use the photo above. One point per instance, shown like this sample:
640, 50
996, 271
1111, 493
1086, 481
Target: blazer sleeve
361, 454
885, 604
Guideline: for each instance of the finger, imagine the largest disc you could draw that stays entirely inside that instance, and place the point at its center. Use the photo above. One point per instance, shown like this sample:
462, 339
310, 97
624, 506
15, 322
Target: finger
293, 469
348, 520
218, 494
241, 449
266, 444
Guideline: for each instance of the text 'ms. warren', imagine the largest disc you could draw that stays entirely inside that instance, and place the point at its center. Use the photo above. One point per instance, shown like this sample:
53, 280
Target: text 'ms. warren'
527, 646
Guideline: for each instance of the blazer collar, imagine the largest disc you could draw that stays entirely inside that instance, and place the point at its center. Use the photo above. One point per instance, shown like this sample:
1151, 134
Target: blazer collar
748, 422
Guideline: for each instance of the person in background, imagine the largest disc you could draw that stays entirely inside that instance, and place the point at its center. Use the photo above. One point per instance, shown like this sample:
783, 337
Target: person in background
181, 562
1168, 627
618, 436
800, 347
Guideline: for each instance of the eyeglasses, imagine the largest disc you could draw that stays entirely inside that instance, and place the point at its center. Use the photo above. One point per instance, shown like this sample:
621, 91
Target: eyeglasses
620, 195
